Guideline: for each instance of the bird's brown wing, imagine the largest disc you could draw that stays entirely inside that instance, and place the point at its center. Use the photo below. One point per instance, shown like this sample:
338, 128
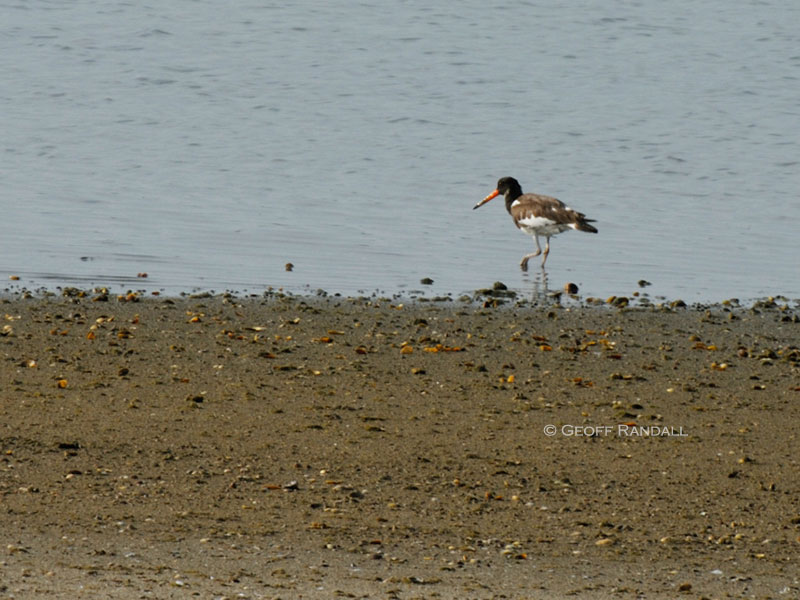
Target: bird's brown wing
543, 207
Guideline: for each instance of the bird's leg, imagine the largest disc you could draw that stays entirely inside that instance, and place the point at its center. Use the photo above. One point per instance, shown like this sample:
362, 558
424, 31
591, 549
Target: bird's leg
524, 262
546, 251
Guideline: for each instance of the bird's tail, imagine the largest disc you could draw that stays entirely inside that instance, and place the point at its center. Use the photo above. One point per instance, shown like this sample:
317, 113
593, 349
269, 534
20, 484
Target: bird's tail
583, 225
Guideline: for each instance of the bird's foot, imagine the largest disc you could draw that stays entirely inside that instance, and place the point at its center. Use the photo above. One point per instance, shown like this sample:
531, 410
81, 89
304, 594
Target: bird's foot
523, 264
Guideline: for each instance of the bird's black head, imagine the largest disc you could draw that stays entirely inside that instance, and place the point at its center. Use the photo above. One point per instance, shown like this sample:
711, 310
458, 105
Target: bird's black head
506, 184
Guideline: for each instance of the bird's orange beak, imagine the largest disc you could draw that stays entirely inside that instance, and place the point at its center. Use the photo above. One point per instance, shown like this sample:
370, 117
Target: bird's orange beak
485, 200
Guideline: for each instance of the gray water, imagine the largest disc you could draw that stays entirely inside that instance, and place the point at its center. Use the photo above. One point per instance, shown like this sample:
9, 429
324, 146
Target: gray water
209, 143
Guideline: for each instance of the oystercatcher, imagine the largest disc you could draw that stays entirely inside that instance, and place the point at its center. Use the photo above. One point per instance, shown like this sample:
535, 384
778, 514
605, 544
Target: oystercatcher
537, 215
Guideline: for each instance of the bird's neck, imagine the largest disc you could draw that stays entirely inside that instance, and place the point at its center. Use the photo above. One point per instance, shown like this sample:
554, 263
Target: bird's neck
512, 194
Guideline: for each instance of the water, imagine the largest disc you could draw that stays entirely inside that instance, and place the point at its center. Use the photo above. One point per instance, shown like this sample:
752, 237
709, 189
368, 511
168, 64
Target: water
208, 144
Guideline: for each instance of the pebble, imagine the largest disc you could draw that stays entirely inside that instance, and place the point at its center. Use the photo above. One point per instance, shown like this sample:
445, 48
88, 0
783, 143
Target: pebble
605, 542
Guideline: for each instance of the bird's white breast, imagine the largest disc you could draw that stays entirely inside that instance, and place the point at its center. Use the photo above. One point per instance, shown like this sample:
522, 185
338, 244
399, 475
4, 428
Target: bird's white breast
541, 226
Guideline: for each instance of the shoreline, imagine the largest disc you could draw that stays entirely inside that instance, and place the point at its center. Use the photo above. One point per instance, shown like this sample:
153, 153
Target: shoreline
297, 446
494, 296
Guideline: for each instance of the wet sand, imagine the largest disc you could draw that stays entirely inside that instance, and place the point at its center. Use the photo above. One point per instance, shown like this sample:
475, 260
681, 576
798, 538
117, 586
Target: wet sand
291, 447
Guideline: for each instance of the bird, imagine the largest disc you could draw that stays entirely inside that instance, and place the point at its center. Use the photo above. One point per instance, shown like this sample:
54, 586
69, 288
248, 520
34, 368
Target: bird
537, 215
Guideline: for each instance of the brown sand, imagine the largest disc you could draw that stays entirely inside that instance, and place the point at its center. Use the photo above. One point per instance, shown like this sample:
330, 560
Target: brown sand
290, 448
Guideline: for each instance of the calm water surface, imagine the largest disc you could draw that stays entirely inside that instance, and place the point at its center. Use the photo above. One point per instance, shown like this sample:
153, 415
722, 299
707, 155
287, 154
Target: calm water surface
210, 143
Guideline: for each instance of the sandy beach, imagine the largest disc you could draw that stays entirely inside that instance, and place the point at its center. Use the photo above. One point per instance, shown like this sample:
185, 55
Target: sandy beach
327, 447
